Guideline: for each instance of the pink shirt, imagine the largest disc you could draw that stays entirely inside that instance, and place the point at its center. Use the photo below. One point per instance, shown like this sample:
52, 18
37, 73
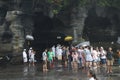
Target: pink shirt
75, 56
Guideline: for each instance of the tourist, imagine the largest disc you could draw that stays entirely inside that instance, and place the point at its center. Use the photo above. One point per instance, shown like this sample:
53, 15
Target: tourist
64, 56
70, 58
32, 58
53, 50
29, 53
81, 57
88, 57
103, 56
50, 58
44, 57
75, 61
118, 53
109, 60
25, 56
98, 55
95, 57
67, 53
59, 54
91, 75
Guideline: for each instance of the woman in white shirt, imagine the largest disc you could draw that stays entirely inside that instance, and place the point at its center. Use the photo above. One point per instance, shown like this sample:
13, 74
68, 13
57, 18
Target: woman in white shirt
103, 56
32, 58
95, 57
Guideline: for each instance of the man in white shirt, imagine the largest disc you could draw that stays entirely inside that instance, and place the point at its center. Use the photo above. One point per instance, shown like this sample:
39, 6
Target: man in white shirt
25, 56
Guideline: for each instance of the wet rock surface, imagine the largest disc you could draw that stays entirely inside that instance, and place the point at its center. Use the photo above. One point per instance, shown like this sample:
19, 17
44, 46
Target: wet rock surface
26, 72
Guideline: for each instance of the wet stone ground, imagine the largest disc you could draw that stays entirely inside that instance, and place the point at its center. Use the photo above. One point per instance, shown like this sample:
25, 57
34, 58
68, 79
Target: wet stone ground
25, 72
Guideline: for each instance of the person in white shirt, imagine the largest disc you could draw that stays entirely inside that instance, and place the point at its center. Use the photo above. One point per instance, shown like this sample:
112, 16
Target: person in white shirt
81, 57
59, 54
25, 56
88, 57
103, 56
95, 57
29, 53
98, 61
44, 57
32, 58
53, 49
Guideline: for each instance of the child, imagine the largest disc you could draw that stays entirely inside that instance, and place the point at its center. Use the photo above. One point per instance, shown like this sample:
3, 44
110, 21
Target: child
92, 75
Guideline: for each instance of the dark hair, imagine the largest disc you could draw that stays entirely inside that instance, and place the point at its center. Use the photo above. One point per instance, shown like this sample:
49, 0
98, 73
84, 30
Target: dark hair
93, 74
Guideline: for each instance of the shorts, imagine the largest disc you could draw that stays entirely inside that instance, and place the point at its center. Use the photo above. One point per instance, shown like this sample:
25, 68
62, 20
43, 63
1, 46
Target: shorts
44, 62
59, 57
99, 60
25, 59
31, 60
103, 61
75, 60
109, 62
95, 60
64, 58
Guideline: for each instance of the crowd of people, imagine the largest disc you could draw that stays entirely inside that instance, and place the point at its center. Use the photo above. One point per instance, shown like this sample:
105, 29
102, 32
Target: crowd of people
29, 57
74, 58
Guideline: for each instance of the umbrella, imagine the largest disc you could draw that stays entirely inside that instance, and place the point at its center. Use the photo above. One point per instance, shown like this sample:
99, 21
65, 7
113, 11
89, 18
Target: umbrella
83, 44
29, 37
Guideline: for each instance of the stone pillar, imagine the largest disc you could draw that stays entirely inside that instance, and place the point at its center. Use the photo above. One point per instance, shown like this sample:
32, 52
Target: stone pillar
78, 16
17, 30
75, 34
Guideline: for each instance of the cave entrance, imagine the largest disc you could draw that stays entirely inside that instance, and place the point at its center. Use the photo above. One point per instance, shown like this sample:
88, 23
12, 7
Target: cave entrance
44, 34
98, 29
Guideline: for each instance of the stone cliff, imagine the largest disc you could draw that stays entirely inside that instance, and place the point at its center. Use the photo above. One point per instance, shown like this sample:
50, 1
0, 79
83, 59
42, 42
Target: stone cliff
18, 18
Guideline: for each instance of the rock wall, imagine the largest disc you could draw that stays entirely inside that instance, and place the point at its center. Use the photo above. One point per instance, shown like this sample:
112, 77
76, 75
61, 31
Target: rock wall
13, 25
102, 24
16, 21
78, 16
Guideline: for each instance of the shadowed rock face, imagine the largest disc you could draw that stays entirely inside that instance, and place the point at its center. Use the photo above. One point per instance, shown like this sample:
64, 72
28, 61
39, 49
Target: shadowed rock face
21, 17
102, 26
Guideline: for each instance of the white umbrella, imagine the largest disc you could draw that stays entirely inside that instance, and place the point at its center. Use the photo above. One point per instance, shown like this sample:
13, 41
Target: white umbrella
29, 37
83, 44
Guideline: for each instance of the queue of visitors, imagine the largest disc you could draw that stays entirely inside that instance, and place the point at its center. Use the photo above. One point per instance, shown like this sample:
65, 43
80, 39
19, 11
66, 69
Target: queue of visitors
74, 58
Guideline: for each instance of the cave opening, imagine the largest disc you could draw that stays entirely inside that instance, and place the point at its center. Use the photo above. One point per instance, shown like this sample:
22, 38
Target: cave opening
44, 34
98, 28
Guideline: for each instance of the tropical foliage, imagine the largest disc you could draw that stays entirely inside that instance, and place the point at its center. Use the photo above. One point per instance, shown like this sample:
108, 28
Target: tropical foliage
57, 5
